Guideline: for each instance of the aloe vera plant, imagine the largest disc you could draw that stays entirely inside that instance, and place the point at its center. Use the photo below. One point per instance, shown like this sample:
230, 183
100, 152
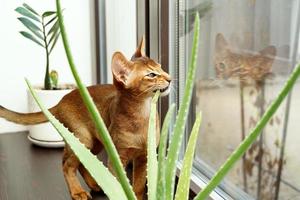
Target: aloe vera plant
43, 30
161, 172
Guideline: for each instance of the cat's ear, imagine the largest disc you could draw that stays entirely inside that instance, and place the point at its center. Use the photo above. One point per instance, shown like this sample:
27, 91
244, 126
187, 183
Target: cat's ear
140, 51
120, 68
268, 56
269, 52
221, 43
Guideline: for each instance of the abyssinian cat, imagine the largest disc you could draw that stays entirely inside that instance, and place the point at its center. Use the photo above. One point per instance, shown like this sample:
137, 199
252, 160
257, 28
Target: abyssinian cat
124, 107
246, 67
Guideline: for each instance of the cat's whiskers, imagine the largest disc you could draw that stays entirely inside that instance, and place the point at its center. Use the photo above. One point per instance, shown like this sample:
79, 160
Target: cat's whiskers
145, 91
173, 89
173, 85
174, 80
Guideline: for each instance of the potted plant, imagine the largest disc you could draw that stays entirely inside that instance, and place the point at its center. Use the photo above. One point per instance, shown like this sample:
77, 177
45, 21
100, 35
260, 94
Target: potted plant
43, 30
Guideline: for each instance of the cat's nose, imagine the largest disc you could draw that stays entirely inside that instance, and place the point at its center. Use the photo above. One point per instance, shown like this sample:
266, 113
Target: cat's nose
168, 78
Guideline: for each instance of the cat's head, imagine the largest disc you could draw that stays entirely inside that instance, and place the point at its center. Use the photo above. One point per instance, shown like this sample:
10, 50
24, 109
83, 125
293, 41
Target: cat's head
229, 64
140, 76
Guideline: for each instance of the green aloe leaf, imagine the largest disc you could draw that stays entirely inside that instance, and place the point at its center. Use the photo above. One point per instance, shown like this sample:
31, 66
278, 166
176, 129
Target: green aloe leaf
95, 115
27, 13
177, 136
31, 37
161, 182
98, 171
151, 150
183, 186
48, 13
248, 141
31, 26
30, 9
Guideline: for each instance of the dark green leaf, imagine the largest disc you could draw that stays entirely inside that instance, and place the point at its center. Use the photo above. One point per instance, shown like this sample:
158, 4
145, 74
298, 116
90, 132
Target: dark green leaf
26, 13
30, 37
31, 26
53, 36
54, 28
51, 20
54, 41
48, 13
30, 9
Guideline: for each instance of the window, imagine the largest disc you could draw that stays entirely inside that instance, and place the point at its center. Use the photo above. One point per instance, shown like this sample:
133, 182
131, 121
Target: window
247, 50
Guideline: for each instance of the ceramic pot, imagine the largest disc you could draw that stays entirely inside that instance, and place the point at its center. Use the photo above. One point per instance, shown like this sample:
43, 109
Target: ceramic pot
45, 134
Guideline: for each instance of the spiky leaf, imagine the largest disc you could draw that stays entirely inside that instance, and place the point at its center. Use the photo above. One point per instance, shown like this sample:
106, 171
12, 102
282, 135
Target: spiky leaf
31, 37
98, 171
31, 26
250, 139
27, 13
30, 9
151, 150
162, 154
183, 186
181, 117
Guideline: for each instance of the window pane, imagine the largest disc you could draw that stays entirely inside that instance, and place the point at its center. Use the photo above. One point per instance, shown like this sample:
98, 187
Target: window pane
247, 50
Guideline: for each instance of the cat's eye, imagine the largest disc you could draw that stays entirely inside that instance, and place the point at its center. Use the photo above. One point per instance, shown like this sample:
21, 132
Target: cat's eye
222, 66
151, 75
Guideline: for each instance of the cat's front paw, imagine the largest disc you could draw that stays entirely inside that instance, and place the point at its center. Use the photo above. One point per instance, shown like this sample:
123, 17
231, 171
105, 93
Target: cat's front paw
82, 195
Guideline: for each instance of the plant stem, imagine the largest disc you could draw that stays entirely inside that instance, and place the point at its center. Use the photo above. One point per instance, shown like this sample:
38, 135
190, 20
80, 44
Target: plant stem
260, 85
47, 81
243, 147
243, 135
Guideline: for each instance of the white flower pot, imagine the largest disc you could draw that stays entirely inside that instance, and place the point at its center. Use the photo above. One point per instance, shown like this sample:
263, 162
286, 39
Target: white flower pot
45, 134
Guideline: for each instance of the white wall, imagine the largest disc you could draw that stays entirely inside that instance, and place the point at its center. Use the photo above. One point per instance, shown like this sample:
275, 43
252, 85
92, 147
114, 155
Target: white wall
120, 29
21, 58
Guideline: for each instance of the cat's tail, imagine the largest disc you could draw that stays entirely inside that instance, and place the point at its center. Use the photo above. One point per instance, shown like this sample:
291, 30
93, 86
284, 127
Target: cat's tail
25, 118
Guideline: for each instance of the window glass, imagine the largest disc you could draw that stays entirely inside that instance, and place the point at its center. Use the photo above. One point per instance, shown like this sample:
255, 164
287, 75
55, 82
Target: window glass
247, 50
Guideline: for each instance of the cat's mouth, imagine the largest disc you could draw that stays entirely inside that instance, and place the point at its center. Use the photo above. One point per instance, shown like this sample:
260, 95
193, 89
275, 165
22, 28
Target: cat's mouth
163, 91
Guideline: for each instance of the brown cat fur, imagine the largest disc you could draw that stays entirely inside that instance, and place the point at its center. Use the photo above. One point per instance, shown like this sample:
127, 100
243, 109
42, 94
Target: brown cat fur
124, 107
246, 67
